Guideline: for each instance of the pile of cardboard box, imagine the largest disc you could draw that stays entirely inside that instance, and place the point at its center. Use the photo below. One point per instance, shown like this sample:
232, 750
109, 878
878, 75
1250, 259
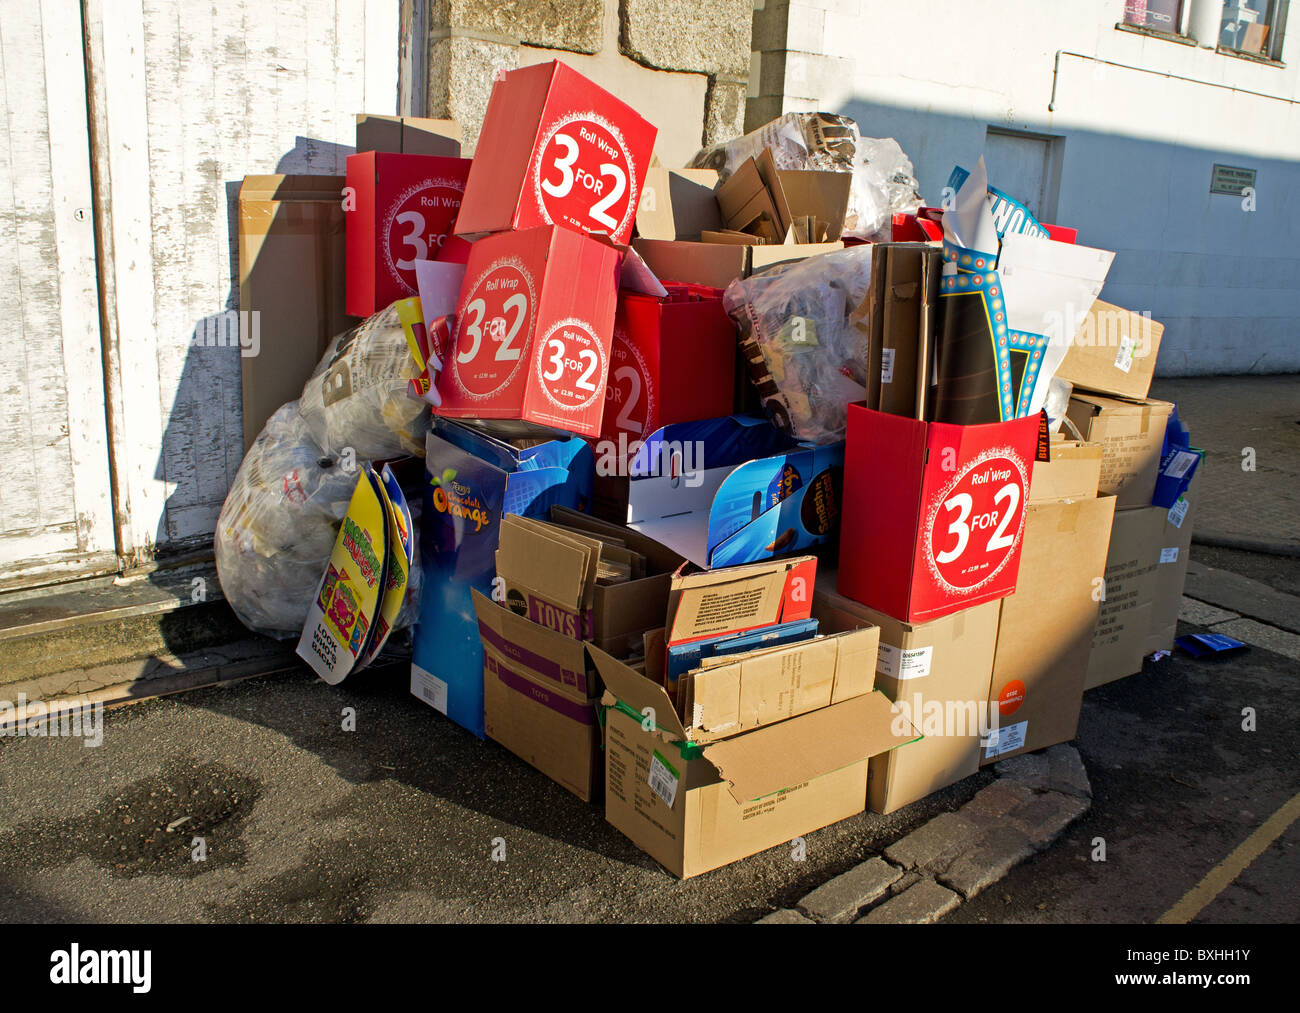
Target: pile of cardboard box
617, 584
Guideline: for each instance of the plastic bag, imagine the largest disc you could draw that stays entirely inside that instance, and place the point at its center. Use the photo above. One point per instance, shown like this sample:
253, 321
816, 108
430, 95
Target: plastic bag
884, 184
805, 340
883, 178
358, 395
277, 526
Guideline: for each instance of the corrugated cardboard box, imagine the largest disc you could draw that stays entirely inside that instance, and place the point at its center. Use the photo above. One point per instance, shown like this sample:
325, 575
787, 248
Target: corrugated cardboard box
694, 808
1132, 435
539, 701
292, 263
1125, 616
408, 135
939, 672
1046, 628
1114, 352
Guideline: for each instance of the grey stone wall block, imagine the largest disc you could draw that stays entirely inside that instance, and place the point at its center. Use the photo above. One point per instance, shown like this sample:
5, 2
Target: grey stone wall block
574, 25
706, 38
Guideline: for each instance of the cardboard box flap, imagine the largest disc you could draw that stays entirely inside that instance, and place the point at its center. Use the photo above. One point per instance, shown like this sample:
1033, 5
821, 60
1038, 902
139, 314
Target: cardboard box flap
637, 692
288, 188
555, 565
733, 599
677, 204
790, 752
1074, 472
819, 194
559, 661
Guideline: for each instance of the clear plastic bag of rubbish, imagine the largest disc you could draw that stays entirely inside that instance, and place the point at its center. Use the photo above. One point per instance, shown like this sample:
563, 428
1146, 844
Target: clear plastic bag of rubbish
804, 336
797, 141
358, 395
883, 178
277, 526
884, 184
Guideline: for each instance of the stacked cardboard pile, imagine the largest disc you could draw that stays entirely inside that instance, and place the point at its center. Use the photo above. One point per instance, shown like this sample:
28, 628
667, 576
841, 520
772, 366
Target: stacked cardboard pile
621, 577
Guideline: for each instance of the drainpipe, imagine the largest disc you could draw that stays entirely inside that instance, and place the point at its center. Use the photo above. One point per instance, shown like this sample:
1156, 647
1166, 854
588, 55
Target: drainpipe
1204, 22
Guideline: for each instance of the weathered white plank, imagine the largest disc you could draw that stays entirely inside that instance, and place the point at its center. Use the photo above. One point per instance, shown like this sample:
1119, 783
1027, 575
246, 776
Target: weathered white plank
65, 89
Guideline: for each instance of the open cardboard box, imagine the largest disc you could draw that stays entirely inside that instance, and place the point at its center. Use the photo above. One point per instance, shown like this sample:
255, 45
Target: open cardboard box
734, 490
685, 208
694, 807
540, 698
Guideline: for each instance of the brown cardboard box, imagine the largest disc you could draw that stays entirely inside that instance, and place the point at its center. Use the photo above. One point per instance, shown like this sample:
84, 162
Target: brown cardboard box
938, 672
694, 808
291, 274
1114, 352
1046, 629
1132, 435
408, 135
1125, 615
1171, 572
539, 699
678, 204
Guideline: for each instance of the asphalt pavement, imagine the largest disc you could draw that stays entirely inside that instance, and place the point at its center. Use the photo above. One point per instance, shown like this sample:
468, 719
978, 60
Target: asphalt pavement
296, 818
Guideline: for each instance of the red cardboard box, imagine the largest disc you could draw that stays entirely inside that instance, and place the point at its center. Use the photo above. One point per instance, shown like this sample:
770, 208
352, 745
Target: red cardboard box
405, 206
556, 149
933, 513
533, 329
673, 360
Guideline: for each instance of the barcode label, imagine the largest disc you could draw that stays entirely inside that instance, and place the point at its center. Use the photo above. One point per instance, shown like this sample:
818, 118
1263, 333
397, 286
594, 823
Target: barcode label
429, 688
1169, 555
1124, 359
663, 779
887, 365
1177, 512
1003, 740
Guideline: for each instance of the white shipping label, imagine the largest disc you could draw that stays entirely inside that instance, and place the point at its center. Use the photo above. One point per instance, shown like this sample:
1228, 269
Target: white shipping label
429, 688
1181, 462
663, 778
1178, 511
913, 663
1003, 740
887, 365
1169, 555
1124, 358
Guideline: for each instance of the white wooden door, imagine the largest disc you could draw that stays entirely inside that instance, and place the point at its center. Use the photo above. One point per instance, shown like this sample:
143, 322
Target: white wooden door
55, 493
188, 97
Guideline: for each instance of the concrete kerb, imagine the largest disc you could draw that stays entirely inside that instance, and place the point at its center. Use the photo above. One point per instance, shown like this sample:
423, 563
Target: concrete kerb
954, 856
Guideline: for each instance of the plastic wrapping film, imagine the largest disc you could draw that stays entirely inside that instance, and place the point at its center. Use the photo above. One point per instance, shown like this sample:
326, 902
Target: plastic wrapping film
883, 179
358, 395
278, 524
803, 344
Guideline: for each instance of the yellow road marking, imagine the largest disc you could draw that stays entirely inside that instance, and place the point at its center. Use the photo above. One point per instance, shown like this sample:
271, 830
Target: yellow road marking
1221, 876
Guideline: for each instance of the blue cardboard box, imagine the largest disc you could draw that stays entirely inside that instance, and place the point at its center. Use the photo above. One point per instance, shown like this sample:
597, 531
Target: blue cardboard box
472, 480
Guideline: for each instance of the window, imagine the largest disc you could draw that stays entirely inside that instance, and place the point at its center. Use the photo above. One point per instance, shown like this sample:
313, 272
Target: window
1253, 27
1154, 15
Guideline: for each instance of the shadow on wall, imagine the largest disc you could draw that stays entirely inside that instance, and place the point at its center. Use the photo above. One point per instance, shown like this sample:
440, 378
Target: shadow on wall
1219, 271
202, 447
202, 443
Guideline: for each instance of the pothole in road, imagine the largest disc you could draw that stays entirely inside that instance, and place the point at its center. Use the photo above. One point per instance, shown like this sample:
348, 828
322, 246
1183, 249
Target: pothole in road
185, 821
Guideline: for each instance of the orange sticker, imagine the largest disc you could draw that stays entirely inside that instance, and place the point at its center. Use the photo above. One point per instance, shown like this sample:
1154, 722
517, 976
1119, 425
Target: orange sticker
1011, 697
